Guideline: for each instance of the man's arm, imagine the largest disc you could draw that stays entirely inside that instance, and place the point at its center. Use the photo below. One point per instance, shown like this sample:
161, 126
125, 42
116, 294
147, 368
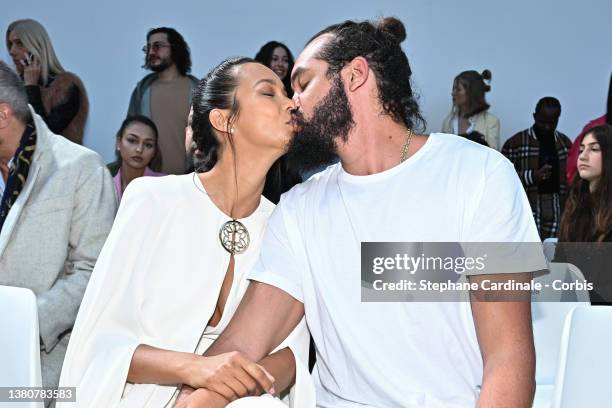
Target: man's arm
265, 317
505, 337
92, 218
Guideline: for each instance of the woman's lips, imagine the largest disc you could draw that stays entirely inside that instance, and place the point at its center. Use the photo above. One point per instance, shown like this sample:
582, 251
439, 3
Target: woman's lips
137, 159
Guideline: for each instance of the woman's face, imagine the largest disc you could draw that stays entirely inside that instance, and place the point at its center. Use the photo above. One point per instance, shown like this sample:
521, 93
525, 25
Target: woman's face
17, 50
280, 62
459, 94
137, 145
589, 160
265, 117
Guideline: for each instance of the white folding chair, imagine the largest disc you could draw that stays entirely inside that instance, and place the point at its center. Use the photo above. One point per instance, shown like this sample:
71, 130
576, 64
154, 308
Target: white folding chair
548, 318
549, 245
19, 342
583, 374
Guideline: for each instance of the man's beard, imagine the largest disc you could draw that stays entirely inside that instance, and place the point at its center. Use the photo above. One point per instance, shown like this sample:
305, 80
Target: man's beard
163, 64
315, 144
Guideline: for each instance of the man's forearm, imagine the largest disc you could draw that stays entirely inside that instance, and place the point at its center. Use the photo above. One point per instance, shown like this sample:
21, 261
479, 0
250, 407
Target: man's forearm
508, 381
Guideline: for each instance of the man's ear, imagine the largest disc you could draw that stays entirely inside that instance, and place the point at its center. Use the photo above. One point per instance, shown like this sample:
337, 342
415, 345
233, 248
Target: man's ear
218, 119
359, 70
6, 113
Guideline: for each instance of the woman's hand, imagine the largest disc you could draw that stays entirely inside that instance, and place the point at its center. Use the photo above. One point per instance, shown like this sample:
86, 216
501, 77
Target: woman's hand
31, 71
231, 375
200, 398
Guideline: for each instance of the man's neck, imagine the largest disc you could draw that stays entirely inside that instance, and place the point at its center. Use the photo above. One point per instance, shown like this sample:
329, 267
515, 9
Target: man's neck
376, 145
9, 143
169, 74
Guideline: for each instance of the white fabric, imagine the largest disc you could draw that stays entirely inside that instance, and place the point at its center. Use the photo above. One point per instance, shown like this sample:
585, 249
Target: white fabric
470, 128
392, 354
20, 342
157, 282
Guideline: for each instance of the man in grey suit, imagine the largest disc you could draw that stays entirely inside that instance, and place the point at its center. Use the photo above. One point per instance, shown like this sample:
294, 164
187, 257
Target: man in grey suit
57, 206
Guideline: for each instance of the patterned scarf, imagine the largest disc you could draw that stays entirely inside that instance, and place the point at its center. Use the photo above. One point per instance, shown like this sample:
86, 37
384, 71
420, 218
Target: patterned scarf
18, 171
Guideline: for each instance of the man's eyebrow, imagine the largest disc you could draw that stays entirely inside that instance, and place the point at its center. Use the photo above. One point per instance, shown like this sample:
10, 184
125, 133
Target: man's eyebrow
298, 71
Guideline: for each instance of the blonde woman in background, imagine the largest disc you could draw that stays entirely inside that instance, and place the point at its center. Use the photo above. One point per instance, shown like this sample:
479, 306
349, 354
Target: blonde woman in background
470, 109
58, 96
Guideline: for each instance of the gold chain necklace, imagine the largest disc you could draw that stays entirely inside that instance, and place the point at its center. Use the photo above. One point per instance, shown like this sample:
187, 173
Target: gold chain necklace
404, 154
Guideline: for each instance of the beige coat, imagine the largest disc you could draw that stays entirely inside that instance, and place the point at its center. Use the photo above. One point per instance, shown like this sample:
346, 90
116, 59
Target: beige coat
53, 235
485, 123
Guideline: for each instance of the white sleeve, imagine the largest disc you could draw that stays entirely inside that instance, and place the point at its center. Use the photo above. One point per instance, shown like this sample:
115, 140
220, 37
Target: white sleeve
502, 224
502, 212
278, 263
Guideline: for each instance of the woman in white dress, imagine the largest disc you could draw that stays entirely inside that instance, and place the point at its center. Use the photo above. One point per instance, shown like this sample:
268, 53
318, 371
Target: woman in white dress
173, 268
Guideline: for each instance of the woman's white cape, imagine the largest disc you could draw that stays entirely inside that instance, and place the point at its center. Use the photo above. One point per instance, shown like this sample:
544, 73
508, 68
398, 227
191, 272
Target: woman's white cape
156, 282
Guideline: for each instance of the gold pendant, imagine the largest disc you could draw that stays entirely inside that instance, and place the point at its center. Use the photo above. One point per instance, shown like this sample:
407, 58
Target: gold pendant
234, 237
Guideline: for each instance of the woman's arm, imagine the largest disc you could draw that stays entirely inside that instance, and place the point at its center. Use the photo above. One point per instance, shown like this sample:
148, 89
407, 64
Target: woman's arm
229, 374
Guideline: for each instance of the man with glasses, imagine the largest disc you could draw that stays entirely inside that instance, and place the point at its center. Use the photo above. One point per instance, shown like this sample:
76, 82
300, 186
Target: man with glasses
165, 94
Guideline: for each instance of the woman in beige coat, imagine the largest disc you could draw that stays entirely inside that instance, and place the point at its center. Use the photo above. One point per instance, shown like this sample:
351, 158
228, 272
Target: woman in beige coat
470, 109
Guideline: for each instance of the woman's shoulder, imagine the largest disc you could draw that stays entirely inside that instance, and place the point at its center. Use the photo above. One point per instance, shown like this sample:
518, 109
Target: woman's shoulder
162, 189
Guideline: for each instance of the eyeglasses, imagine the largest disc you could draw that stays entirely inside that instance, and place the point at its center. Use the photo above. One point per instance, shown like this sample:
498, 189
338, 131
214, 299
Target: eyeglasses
155, 46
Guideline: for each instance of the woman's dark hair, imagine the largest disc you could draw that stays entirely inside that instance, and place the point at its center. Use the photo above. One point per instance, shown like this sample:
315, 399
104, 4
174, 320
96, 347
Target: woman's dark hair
156, 161
179, 50
475, 89
264, 56
215, 91
379, 43
588, 215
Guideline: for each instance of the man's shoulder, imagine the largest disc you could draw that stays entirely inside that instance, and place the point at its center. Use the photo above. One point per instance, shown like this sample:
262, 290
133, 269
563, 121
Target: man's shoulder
310, 190
66, 151
146, 81
517, 138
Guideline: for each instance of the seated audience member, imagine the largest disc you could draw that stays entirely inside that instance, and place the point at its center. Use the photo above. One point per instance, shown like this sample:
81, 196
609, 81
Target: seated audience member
281, 176
539, 155
56, 95
476, 137
136, 149
470, 110
588, 215
165, 94
56, 210
572, 157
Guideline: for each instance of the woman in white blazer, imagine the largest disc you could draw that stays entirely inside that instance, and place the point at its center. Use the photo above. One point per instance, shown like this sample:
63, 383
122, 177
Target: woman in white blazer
173, 269
470, 112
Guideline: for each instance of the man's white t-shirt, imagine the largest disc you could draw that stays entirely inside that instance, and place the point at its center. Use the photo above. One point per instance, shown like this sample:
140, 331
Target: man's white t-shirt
392, 354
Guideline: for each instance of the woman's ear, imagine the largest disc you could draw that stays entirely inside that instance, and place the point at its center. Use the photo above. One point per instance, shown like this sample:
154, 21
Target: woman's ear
218, 120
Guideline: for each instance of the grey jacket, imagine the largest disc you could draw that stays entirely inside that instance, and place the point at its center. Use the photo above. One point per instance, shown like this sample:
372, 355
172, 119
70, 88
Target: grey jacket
53, 234
140, 101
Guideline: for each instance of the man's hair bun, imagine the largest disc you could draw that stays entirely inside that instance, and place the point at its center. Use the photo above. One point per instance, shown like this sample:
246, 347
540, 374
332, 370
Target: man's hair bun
394, 27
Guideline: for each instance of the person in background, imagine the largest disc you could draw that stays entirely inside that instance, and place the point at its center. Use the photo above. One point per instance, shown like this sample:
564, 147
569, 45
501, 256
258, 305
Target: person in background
575, 150
470, 110
539, 156
588, 215
165, 94
281, 177
56, 208
136, 149
278, 58
58, 96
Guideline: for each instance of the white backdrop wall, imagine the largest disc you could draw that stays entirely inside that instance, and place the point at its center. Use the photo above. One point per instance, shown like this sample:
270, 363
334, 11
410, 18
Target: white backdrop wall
533, 48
